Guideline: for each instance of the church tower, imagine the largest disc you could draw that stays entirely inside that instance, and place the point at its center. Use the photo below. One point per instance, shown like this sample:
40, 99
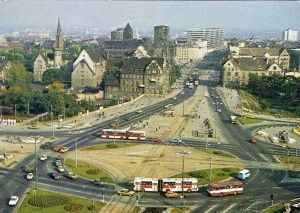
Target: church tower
58, 47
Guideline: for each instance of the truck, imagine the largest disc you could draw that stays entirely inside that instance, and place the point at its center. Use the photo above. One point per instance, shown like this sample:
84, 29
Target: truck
191, 86
196, 83
233, 119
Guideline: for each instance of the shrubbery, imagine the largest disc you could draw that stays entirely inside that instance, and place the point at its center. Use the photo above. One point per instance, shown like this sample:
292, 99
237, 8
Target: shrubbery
45, 201
198, 174
110, 146
93, 171
73, 207
227, 169
154, 209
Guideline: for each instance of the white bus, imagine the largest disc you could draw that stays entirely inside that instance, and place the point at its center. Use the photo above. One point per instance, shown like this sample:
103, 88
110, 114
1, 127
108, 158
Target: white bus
243, 174
142, 184
225, 188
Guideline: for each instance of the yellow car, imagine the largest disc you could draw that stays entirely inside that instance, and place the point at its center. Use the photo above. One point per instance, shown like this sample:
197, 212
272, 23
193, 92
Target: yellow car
72, 175
139, 111
33, 127
64, 149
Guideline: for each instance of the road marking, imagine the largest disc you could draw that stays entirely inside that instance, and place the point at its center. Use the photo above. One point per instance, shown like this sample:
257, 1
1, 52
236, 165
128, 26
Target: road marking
229, 207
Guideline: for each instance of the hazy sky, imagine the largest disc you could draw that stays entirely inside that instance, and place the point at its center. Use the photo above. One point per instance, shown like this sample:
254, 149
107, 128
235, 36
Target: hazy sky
278, 15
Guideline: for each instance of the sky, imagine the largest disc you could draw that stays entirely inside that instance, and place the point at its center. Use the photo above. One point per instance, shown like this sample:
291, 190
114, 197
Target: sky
259, 15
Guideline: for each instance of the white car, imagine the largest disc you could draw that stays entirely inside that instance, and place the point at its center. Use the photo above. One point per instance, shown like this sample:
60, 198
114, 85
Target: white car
13, 200
43, 157
176, 140
29, 176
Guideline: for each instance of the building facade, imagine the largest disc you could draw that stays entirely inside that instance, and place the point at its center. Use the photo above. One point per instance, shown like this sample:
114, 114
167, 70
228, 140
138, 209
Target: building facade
161, 37
290, 35
139, 76
88, 69
214, 36
235, 71
127, 32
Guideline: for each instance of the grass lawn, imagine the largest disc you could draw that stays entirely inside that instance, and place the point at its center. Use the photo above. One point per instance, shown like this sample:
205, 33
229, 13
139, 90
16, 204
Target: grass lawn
109, 146
216, 152
50, 202
88, 171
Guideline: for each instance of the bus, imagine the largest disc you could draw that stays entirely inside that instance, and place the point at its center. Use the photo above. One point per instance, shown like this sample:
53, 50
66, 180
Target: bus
123, 134
225, 188
144, 184
196, 83
243, 174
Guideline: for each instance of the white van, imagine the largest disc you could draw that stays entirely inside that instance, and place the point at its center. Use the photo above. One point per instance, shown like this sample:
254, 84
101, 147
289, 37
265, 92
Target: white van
243, 174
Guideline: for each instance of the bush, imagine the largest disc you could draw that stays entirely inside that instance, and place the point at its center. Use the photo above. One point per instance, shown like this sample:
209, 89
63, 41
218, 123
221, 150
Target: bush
112, 146
93, 171
220, 174
226, 169
198, 174
73, 207
46, 201
155, 209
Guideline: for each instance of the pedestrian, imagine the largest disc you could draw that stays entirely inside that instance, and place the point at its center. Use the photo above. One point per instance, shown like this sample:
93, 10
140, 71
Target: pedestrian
156, 128
147, 123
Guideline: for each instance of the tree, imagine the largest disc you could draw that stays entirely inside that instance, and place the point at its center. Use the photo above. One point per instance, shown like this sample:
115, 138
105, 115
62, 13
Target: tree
17, 75
175, 74
51, 75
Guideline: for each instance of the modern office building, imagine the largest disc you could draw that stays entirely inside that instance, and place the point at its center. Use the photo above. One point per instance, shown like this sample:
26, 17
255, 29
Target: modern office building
214, 36
290, 35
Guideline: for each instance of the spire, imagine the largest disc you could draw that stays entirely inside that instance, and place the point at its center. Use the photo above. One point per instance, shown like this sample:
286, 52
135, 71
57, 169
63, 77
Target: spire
58, 28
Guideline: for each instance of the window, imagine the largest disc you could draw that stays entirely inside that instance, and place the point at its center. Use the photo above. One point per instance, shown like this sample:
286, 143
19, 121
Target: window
274, 67
82, 65
228, 74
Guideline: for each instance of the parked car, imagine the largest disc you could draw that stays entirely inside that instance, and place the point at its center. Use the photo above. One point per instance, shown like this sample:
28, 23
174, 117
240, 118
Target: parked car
176, 140
55, 175
72, 175
60, 169
33, 127
156, 140
64, 149
13, 200
57, 148
58, 163
29, 176
253, 140
171, 194
125, 192
128, 118
43, 157
46, 145
98, 182
139, 111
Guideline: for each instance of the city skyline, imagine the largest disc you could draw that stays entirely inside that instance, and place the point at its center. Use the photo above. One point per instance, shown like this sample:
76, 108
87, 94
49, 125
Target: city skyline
110, 15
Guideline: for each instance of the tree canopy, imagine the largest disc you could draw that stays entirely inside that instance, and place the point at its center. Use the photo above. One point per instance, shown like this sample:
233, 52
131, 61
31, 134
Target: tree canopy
52, 75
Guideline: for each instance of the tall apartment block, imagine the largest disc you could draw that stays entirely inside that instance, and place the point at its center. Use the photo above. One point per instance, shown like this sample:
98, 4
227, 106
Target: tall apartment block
290, 35
214, 36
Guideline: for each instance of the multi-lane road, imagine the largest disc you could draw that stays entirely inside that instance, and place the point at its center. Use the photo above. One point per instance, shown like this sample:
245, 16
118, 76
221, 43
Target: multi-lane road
267, 173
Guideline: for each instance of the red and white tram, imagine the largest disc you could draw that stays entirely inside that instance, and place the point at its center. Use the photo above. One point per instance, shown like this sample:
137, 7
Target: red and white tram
165, 184
123, 134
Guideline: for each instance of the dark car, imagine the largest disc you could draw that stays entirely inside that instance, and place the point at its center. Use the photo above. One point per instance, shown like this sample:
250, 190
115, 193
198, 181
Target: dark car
55, 175
156, 140
46, 145
98, 182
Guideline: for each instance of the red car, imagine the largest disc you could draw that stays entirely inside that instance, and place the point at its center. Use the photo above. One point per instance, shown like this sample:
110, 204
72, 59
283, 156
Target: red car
57, 148
253, 140
156, 140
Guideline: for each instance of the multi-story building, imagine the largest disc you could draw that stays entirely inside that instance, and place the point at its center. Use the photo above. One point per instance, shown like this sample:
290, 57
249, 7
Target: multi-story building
278, 55
88, 68
122, 33
190, 51
235, 71
214, 36
53, 60
290, 35
161, 37
120, 49
139, 76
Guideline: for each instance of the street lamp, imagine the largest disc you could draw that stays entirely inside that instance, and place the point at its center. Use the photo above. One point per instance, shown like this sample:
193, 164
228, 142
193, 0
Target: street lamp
4, 153
183, 153
76, 140
52, 121
36, 175
296, 156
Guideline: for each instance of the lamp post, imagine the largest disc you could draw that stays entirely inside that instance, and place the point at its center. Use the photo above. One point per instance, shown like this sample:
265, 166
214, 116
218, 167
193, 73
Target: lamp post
183, 153
52, 121
36, 175
210, 164
296, 156
76, 156
4, 153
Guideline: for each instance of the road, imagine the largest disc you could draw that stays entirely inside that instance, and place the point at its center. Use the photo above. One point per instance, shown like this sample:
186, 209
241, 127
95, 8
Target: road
268, 174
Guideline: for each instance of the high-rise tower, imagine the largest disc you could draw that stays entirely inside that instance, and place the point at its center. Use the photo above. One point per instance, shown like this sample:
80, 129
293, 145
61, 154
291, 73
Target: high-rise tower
58, 47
